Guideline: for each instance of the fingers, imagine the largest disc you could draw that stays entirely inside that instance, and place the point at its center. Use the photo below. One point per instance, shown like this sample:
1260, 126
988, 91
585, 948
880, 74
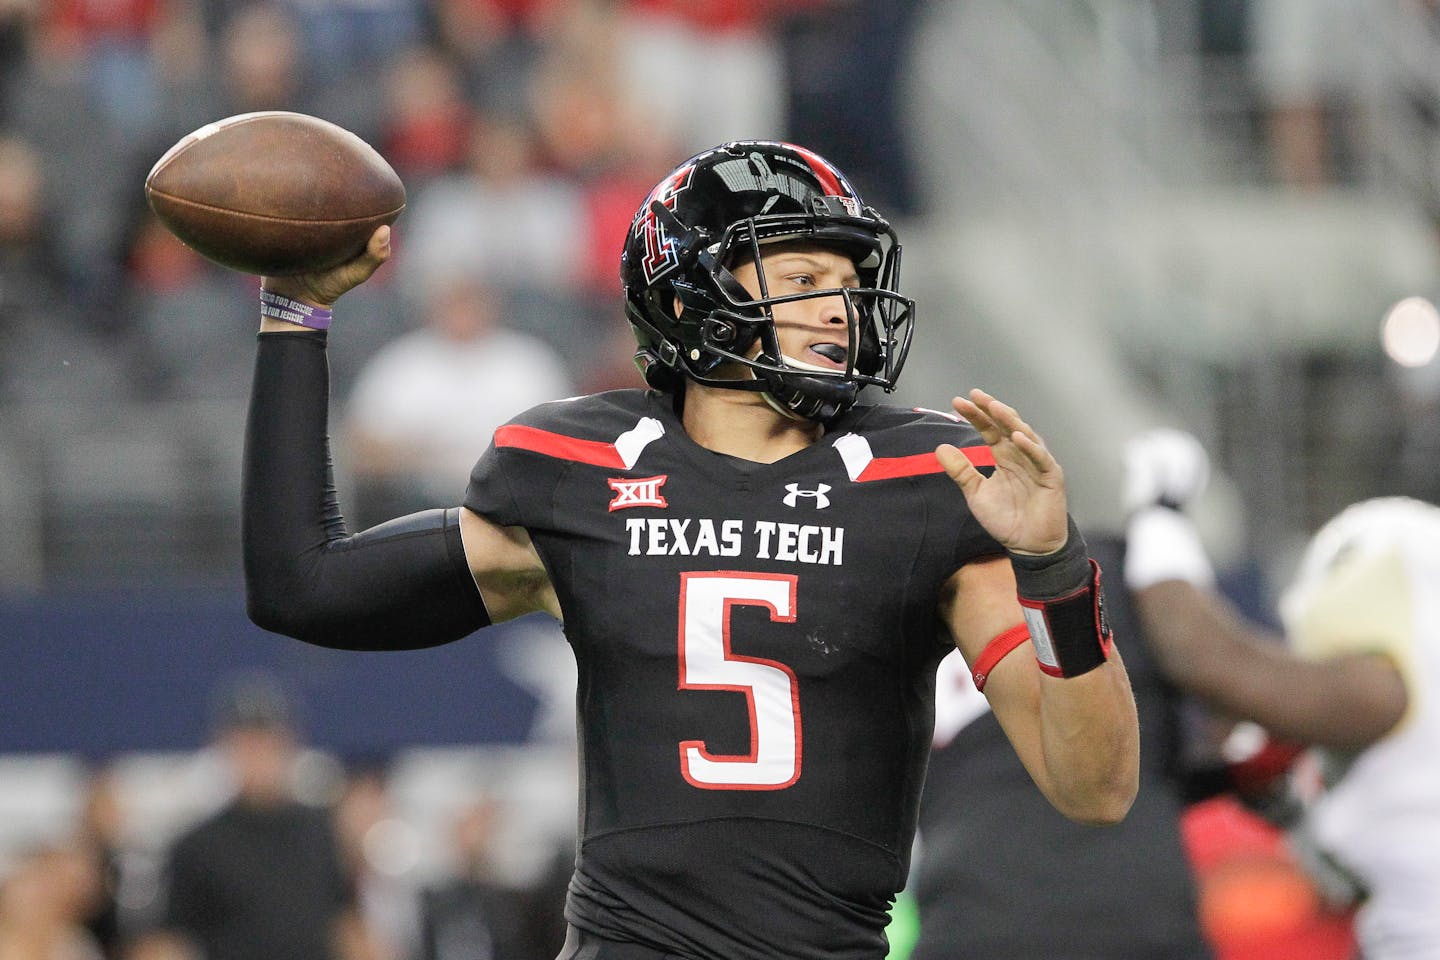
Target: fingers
997, 421
958, 466
357, 271
978, 418
325, 287
999, 413
378, 249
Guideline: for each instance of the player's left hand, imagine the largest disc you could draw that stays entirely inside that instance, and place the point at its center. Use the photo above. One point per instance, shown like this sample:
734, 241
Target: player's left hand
1022, 504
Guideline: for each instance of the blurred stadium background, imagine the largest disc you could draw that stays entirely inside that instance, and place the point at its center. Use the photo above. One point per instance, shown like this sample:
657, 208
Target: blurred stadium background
1215, 214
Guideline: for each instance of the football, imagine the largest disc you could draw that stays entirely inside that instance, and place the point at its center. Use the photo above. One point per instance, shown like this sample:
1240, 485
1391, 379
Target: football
274, 193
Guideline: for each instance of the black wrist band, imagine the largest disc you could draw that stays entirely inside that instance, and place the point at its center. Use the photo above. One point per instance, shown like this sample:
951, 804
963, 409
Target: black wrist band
1053, 574
1064, 607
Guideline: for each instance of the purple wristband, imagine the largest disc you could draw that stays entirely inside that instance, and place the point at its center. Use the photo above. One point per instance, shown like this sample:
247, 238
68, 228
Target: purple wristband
279, 307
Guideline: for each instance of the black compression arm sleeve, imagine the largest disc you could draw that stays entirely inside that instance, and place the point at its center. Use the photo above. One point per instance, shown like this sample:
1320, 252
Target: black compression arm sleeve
398, 586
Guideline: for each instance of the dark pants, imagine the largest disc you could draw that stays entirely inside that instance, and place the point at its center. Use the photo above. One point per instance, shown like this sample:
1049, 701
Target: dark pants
580, 945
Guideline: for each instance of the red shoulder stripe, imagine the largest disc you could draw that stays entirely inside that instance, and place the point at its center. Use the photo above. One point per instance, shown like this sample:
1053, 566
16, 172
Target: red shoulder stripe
889, 468
915, 465
980, 455
595, 452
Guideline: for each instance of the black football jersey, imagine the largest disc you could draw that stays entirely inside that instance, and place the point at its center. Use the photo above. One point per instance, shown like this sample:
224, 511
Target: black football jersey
756, 647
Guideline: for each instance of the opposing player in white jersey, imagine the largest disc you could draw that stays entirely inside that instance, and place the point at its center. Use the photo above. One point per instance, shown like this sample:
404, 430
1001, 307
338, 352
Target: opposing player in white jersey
1356, 677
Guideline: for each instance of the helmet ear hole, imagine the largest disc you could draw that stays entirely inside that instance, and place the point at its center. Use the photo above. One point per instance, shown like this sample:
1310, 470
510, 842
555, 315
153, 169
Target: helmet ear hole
721, 332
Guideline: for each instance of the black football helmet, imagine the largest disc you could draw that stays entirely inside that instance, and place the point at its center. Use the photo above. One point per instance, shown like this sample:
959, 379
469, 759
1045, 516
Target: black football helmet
722, 206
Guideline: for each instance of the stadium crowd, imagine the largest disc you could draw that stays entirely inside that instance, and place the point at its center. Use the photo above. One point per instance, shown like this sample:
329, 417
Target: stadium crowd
524, 131
521, 129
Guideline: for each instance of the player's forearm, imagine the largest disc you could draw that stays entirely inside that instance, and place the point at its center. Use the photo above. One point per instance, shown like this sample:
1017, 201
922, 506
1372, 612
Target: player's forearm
1090, 743
1207, 648
400, 585
1077, 728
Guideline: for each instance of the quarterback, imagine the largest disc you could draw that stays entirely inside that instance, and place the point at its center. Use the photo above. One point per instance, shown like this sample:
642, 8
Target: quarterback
757, 572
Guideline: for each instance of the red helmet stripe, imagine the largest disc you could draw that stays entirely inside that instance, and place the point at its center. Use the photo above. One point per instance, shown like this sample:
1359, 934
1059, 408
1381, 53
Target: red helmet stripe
828, 176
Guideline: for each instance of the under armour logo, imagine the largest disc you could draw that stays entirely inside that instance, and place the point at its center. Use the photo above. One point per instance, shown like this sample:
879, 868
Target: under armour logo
637, 493
821, 501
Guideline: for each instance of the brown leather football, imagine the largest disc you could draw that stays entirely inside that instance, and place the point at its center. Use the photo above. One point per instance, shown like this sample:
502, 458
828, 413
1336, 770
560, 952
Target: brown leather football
274, 193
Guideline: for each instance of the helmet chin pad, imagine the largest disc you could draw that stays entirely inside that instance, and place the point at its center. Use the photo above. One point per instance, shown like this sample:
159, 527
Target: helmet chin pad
808, 398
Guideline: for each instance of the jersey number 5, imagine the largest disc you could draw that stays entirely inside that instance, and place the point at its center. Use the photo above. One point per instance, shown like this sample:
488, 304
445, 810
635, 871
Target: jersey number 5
770, 688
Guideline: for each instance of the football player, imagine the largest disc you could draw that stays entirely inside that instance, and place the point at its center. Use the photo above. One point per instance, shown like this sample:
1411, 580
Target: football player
1354, 677
757, 572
